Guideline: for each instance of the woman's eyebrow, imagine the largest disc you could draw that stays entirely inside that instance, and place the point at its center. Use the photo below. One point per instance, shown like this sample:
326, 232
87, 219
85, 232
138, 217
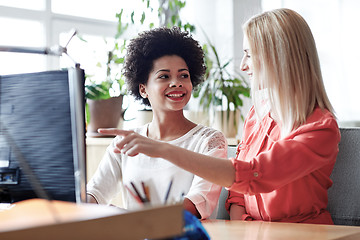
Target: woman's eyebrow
167, 70
162, 70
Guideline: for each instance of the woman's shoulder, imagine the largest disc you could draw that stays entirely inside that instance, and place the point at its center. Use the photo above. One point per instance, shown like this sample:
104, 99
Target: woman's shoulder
212, 137
320, 119
206, 140
320, 130
205, 131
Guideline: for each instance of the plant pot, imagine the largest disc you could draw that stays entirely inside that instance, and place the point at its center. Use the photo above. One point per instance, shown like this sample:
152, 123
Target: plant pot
143, 117
199, 117
226, 125
104, 114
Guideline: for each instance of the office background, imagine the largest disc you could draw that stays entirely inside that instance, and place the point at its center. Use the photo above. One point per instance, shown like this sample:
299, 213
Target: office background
40, 23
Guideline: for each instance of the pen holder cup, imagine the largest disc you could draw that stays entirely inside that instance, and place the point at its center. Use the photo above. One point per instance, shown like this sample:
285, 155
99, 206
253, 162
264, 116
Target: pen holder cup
193, 229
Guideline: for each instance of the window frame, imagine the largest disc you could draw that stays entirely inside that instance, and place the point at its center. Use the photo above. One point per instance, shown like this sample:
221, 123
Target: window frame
55, 24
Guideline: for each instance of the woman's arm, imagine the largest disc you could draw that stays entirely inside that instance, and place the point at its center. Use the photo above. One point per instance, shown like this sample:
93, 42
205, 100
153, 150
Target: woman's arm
90, 199
216, 170
236, 212
190, 206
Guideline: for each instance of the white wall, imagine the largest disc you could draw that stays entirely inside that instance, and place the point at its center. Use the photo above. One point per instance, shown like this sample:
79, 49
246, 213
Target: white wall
222, 21
335, 27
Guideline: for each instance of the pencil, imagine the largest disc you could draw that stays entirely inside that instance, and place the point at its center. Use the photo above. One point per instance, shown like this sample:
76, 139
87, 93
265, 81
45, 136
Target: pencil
168, 191
146, 191
134, 195
137, 192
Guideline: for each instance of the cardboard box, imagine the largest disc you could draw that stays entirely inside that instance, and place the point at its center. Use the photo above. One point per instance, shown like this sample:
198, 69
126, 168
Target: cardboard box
41, 219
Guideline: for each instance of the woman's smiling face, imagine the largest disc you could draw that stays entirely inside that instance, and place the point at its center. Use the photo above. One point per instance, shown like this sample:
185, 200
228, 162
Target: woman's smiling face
169, 85
246, 62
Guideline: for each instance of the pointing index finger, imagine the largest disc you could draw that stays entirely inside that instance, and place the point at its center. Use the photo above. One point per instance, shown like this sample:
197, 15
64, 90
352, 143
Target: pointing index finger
113, 131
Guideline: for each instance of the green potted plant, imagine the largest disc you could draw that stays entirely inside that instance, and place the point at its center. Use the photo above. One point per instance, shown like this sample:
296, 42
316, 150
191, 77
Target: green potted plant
168, 16
222, 94
102, 109
104, 99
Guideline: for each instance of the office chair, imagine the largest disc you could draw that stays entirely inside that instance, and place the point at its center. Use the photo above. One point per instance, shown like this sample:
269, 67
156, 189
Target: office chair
222, 213
344, 194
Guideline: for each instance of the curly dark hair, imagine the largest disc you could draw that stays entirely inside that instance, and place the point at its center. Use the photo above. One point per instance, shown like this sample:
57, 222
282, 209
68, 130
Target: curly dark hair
154, 44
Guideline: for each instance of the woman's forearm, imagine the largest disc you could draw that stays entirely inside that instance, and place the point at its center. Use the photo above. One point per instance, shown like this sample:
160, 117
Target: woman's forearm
217, 170
236, 212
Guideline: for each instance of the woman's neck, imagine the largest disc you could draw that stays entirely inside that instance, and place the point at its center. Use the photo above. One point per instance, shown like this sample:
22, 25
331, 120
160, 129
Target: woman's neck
169, 126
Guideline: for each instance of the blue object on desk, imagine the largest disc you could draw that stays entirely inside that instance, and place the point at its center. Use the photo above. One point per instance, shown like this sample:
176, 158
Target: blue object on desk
193, 229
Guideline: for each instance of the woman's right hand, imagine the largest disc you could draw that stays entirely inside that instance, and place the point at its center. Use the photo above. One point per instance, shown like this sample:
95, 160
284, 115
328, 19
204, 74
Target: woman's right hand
133, 143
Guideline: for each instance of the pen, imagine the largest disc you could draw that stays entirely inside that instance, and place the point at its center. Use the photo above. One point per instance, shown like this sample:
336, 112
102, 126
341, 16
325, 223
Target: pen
168, 191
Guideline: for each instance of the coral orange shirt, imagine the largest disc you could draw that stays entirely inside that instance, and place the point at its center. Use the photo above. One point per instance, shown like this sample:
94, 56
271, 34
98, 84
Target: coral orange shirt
287, 179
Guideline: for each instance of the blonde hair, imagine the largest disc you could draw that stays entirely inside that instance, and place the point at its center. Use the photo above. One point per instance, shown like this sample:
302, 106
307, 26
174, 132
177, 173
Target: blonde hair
285, 61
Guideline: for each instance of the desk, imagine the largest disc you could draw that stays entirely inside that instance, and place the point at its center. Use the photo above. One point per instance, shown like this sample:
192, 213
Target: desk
222, 229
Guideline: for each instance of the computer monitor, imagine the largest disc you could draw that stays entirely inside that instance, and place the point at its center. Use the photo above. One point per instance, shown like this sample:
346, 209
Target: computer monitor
42, 136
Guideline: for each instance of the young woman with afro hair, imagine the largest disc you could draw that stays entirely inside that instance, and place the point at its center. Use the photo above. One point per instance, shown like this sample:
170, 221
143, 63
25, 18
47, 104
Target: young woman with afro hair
161, 68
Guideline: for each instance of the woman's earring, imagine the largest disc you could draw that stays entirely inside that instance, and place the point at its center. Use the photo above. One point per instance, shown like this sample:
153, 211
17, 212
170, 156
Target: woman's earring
142, 91
143, 94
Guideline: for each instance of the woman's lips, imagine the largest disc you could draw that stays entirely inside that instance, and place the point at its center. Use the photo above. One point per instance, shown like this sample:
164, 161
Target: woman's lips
175, 95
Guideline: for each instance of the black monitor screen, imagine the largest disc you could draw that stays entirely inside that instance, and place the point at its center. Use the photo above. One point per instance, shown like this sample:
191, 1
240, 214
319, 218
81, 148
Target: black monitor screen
42, 136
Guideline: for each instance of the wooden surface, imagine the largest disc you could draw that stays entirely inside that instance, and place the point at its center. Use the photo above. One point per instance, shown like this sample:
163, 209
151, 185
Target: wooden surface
42, 220
222, 229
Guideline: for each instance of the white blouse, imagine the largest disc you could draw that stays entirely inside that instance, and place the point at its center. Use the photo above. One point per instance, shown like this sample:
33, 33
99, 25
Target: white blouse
116, 173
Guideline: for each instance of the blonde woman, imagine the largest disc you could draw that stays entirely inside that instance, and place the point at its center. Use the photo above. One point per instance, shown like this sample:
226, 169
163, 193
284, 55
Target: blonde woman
282, 169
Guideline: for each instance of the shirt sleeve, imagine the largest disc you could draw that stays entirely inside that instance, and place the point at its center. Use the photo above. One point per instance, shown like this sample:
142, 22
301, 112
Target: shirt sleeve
204, 194
105, 183
234, 197
306, 149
